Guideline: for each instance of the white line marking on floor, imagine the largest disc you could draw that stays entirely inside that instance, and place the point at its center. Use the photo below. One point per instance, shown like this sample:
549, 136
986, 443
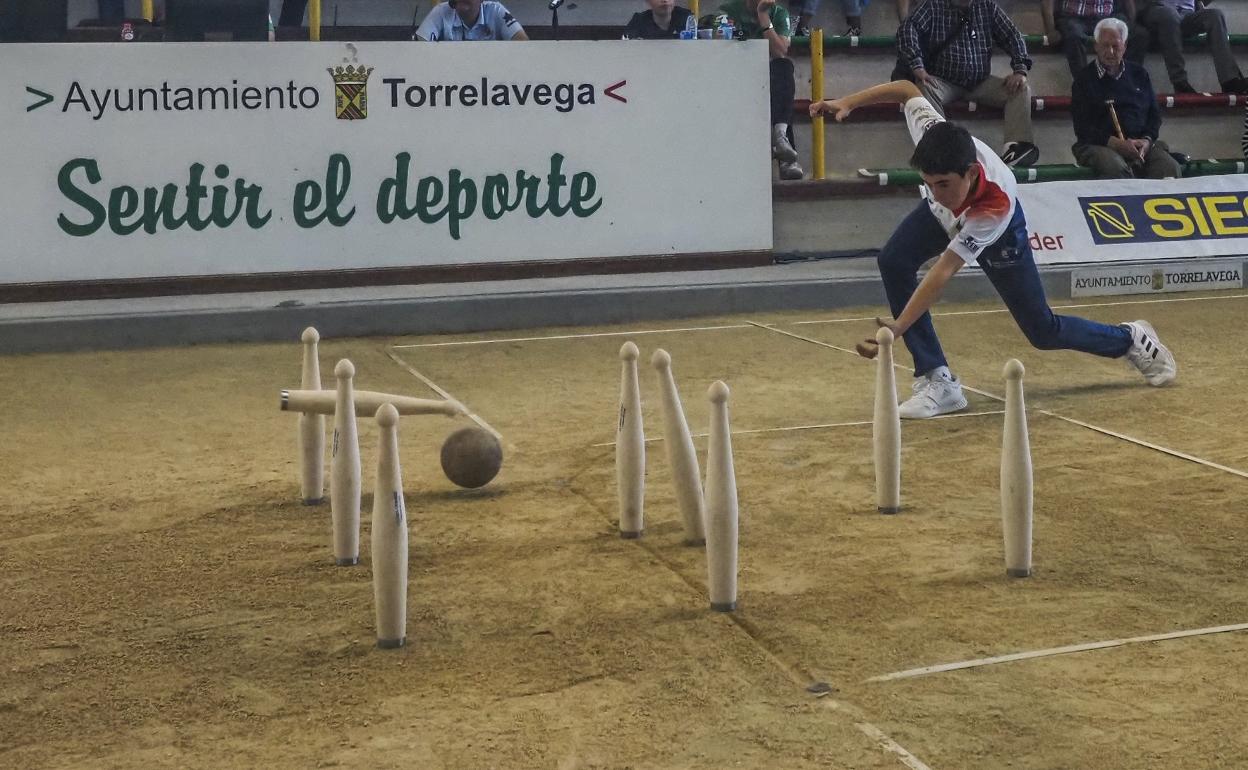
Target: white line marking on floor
1046, 412
571, 336
1005, 310
750, 431
924, 671
908, 759
434, 386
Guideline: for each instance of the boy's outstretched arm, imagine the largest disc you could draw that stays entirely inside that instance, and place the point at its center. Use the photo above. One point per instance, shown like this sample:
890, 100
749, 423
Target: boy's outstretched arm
896, 92
928, 291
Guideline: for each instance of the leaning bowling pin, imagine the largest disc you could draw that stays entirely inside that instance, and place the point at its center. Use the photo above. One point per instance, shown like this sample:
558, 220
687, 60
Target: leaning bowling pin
681, 457
886, 428
367, 402
311, 427
389, 538
721, 506
344, 472
1016, 489
630, 447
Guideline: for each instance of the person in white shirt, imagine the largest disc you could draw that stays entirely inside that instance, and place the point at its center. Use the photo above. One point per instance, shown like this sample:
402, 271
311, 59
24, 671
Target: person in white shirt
470, 20
971, 214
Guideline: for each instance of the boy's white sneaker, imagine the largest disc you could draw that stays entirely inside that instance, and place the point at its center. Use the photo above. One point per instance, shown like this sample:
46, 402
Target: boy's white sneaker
935, 393
1153, 359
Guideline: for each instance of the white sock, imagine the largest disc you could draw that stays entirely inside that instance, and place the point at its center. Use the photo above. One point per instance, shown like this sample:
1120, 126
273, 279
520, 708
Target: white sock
941, 373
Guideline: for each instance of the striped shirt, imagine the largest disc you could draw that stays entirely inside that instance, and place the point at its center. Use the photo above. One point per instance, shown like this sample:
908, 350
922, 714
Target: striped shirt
1089, 9
967, 60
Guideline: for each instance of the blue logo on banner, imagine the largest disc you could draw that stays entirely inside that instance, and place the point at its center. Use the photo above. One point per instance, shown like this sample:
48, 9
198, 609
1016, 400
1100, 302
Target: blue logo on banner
1165, 218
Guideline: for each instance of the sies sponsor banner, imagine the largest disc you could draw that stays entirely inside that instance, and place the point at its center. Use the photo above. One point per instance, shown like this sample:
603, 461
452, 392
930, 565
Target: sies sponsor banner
178, 160
1132, 220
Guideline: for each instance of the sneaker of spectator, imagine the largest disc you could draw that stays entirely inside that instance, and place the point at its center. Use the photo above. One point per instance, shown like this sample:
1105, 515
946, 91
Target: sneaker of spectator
945, 45
790, 170
1020, 154
1169, 21
804, 12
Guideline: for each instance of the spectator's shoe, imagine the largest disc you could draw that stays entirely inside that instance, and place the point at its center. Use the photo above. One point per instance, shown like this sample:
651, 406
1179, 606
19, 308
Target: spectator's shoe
1020, 154
801, 30
781, 149
1184, 87
789, 170
1153, 359
935, 393
853, 31
1235, 86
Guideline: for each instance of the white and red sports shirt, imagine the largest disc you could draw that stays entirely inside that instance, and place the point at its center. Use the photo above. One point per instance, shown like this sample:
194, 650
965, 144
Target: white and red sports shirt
985, 215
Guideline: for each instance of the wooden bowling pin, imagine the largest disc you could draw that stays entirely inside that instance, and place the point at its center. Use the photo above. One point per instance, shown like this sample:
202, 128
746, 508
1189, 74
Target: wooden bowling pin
886, 428
389, 537
721, 506
1016, 479
367, 402
630, 447
311, 427
344, 471
681, 457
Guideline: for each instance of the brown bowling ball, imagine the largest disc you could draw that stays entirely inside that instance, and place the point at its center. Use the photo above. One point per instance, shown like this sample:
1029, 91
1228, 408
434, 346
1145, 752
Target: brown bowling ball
471, 457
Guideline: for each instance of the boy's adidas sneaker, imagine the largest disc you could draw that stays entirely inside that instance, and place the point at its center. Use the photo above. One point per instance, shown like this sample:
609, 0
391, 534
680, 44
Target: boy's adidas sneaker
937, 392
1147, 354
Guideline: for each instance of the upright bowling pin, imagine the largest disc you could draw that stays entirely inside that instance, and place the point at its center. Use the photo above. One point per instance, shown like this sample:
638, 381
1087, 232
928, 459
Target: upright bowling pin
886, 428
311, 428
389, 556
344, 472
721, 506
630, 447
681, 457
1016, 493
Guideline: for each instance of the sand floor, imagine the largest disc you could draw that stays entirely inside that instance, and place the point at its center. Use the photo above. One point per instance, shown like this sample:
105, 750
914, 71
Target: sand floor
166, 600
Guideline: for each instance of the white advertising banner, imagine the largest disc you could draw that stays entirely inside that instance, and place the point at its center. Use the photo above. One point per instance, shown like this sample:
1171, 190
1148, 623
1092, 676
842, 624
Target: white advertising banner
132, 161
1183, 275
1116, 220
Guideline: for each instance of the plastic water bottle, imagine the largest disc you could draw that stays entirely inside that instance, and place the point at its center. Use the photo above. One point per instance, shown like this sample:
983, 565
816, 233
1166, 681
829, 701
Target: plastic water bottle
691, 29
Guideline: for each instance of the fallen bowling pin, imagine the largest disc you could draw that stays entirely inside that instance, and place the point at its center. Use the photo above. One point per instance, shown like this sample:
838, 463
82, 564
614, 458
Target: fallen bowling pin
1016, 476
344, 472
721, 506
681, 457
311, 427
367, 402
630, 447
389, 537
886, 428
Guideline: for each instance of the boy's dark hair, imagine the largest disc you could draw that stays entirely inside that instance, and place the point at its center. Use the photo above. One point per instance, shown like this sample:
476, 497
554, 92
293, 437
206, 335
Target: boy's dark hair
946, 148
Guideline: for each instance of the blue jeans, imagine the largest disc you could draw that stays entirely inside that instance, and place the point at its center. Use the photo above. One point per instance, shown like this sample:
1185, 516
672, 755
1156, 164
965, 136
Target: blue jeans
1009, 266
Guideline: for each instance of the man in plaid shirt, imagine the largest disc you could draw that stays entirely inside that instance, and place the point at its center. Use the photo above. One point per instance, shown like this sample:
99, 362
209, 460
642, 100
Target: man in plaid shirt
1072, 21
962, 70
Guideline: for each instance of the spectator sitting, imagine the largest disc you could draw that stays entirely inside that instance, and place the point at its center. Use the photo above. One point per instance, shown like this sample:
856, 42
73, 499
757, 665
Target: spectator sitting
1169, 21
763, 19
1073, 20
965, 31
470, 20
1111, 86
664, 20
